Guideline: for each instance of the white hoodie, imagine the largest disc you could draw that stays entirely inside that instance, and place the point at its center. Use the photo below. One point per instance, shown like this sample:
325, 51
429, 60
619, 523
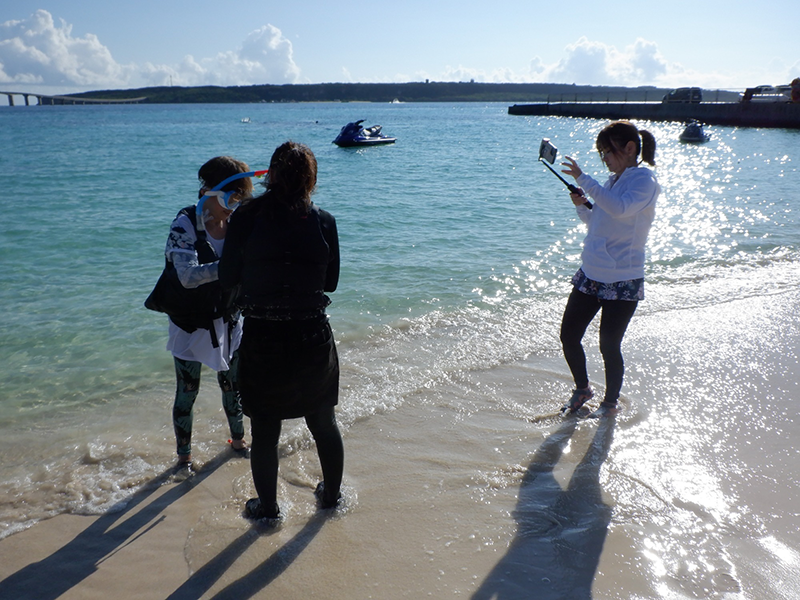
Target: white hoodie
624, 209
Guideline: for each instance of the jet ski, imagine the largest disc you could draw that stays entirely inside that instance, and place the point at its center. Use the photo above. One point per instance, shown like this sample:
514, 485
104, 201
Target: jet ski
694, 134
353, 134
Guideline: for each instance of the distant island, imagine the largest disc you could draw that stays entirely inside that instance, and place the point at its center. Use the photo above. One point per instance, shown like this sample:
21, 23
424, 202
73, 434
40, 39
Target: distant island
427, 91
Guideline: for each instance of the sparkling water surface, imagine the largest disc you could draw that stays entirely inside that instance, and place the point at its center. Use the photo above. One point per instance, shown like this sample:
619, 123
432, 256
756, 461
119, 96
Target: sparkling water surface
456, 216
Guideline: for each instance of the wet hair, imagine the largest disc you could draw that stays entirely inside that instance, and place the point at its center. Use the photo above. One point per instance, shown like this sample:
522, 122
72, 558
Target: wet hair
615, 137
292, 177
219, 168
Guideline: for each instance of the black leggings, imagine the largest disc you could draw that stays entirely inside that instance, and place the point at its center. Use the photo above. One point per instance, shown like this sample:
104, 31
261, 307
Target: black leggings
581, 309
264, 454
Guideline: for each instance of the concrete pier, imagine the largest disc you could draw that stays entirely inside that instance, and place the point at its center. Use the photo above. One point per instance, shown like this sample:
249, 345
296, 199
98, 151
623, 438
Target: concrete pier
742, 114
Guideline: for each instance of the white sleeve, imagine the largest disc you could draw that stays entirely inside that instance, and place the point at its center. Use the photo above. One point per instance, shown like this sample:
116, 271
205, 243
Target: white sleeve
183, 254
622, 200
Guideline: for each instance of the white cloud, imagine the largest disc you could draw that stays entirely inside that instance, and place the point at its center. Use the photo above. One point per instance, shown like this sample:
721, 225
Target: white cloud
646, 61
268, 56
501, 75
585, 62
589, 62
38, 52
594, 63
264, 57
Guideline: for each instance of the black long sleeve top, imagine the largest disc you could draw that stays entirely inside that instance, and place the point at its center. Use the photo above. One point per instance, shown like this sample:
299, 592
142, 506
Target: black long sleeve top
279, 265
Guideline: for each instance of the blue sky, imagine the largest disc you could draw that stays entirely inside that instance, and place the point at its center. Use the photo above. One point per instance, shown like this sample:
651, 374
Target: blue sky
60, 46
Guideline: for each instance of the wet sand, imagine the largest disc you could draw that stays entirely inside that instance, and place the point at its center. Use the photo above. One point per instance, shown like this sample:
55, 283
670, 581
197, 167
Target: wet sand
416, 523
476, 488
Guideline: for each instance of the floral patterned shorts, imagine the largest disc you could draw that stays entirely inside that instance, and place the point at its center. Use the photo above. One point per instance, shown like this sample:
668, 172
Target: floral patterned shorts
631, 290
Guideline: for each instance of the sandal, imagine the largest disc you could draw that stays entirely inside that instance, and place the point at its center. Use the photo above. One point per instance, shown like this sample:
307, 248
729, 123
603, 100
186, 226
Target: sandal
579, 398
243, 452
183, 470
606, 409
184, 462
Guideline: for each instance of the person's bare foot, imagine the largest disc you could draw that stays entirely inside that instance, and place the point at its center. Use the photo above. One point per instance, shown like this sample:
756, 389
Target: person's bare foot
240, 447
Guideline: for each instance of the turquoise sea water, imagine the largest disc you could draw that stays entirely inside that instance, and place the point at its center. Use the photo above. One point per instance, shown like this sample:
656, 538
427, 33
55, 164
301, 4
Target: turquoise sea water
457, 249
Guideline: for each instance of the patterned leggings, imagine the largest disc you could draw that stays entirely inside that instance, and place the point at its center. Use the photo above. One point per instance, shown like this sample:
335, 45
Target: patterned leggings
188, 376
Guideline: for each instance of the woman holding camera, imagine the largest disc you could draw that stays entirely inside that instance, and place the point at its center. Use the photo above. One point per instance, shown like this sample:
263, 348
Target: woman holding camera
611, 277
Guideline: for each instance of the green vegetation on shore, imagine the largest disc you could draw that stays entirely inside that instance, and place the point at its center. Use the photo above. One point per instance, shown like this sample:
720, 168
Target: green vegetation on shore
388, 92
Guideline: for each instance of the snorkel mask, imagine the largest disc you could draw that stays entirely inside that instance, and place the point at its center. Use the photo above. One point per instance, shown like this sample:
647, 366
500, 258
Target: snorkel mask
224, 198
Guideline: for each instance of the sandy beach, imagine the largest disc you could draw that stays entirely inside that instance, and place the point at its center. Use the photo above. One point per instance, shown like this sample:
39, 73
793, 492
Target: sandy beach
415, 523
476, 488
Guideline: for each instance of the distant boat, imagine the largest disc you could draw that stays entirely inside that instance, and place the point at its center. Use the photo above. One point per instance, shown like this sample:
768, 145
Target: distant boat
246, 120
353, 134
693, 133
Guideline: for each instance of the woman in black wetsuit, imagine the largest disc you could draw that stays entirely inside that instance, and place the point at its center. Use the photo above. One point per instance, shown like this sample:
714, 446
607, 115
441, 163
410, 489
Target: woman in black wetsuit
281, 257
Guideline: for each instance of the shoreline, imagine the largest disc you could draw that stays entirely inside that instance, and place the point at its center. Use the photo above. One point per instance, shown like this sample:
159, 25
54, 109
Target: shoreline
398, 536
406, 92
476, 488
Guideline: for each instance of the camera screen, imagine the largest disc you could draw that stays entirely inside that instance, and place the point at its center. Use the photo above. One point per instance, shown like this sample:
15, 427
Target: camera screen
547, 151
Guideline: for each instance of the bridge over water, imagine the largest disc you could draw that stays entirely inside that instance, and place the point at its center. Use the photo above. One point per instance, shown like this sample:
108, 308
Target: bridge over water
42, 99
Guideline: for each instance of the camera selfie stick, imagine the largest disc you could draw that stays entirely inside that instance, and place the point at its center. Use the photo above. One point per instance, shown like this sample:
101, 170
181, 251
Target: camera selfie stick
549, 152
572, 188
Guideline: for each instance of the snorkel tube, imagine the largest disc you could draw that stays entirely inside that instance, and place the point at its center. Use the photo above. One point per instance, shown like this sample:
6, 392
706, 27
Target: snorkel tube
223, 199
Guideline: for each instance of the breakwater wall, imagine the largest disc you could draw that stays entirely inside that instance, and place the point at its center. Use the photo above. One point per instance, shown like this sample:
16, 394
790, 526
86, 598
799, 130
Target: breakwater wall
743, 114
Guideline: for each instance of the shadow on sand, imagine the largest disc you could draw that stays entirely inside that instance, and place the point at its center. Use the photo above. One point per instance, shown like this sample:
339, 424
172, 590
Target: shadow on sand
78, 559
260, 577
560, 533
